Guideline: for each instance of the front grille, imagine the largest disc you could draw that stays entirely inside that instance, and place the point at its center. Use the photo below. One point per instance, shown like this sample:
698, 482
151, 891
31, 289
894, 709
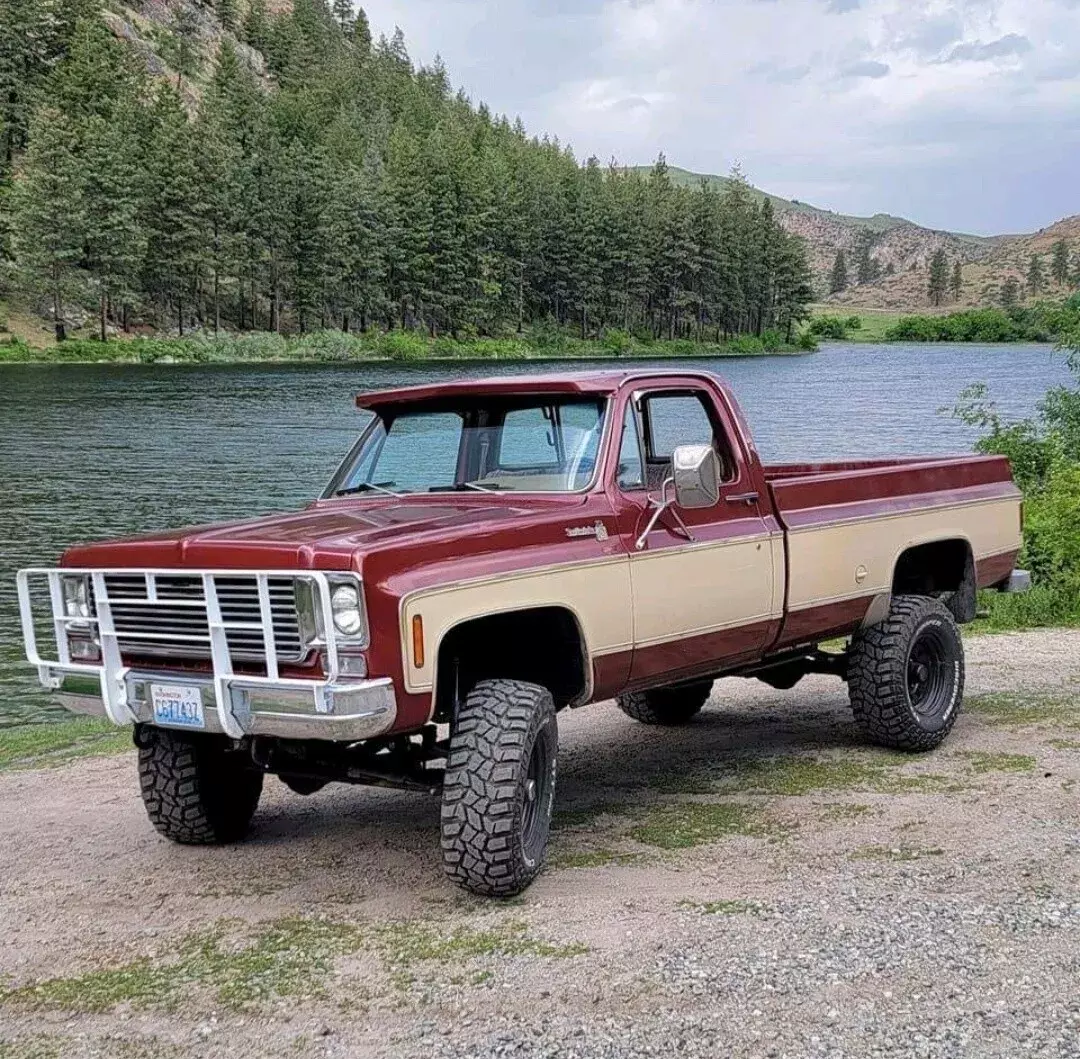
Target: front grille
166, 629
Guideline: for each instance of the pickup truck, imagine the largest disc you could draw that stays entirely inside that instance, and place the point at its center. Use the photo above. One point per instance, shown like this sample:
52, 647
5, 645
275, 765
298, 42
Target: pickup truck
493, 552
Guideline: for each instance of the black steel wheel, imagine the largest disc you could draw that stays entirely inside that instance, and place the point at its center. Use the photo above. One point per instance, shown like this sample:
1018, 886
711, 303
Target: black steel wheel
906, 675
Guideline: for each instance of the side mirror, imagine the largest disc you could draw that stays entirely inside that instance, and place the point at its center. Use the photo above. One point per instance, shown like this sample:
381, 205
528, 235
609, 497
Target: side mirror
696, 471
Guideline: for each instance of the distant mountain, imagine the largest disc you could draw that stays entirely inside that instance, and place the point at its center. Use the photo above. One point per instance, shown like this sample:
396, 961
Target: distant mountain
903, 250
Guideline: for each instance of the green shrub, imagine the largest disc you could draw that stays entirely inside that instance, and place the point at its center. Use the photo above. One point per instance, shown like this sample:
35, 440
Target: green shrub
402, 345
808, 343
772, 341
745, 346
617, 342
853, 323
829, 327
1045, 457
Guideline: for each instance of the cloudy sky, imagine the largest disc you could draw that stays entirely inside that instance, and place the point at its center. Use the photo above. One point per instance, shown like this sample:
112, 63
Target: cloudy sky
961, 114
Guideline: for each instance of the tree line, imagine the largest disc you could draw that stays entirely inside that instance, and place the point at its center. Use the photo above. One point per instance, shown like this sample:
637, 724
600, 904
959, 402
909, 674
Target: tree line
344, 187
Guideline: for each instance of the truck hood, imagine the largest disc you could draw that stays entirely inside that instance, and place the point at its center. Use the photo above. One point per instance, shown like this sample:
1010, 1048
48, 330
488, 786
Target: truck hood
333, 535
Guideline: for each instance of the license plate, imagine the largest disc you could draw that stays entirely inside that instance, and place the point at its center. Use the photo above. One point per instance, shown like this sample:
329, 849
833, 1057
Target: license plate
177, 706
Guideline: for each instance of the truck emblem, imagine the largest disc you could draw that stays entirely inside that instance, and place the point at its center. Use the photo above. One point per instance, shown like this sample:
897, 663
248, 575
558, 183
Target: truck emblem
597, 530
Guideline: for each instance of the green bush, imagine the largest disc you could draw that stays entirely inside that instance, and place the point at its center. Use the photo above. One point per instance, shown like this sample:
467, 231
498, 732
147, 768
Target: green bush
1042, 322
853, 323
745, 346
828, 327
808, 343
402, 345
617, 342
1045, 457
772, 341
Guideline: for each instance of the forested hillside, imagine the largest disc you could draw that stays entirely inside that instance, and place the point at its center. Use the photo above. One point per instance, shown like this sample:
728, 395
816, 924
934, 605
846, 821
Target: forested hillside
295, 174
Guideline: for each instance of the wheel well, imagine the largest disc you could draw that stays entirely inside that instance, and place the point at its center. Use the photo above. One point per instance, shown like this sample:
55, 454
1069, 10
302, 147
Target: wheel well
945, 569
541, 645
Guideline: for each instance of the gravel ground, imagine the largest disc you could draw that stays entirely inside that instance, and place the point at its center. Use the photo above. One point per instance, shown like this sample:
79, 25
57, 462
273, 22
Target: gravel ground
757, 884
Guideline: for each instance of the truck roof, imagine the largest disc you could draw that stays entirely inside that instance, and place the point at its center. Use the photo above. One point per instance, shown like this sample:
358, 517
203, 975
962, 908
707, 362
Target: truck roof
586, 382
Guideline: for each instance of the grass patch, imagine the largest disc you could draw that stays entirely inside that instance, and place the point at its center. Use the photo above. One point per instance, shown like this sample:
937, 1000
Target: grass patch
1015, 710
723, 908
685, 825
982, 762
797, 774
1045, 606
405, 944
847, 811
1064, 744
287, 958
898, 854
33, 746
590, 858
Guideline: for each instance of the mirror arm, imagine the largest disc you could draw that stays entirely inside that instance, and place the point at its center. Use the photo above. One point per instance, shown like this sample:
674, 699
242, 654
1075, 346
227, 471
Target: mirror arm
662, 505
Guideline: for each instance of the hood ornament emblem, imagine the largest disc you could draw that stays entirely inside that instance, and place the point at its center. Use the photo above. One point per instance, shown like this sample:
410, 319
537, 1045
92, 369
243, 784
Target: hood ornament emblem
597, 530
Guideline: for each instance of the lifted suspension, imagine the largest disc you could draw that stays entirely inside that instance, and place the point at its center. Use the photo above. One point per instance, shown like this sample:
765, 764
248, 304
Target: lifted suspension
408, 763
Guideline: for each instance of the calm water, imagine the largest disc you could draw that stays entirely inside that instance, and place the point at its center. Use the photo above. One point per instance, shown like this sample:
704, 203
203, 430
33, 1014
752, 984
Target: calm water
96, 451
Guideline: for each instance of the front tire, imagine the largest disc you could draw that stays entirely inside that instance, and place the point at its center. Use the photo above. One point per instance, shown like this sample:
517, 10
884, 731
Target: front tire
906, 675
500, 787
197, 789
668, 707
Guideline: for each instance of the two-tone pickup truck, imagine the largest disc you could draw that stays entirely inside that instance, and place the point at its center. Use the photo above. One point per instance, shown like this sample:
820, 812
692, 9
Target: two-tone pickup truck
493, 552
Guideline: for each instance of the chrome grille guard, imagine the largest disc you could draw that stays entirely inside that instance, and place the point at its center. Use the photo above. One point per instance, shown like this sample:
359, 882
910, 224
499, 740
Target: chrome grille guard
231, 691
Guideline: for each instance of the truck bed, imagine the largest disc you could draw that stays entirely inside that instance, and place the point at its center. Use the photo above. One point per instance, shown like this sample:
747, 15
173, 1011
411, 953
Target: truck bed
848, 521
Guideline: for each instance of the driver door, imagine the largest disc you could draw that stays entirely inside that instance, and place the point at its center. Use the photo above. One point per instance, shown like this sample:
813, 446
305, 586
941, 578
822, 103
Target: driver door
703, 581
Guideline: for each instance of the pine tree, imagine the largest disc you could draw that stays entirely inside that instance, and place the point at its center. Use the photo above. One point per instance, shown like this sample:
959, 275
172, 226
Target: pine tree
956, 284
1059, 263
1036, 277
178, 238
838, 278
938, 282
865, 264
48, 212
343, 12
1010, 292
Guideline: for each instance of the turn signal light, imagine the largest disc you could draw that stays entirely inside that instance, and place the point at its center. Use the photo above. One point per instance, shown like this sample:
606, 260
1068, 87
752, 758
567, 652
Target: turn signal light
418, 641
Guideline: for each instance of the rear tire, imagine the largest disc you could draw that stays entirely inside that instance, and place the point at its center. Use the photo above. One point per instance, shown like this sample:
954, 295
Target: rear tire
666, 706
197, 789
906, 675
500, 787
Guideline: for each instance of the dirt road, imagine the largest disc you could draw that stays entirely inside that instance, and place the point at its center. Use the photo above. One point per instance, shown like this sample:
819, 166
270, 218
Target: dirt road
758, 883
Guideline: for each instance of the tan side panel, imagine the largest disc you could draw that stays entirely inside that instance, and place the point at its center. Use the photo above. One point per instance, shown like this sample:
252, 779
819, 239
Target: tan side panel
825, 562
598, 593
684, 591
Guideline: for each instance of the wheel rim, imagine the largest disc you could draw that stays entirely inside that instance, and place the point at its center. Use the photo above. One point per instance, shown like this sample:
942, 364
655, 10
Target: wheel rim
930, 673
536, 802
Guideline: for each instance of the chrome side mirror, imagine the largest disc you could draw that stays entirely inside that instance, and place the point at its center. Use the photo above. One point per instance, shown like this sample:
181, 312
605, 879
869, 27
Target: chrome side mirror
696, 471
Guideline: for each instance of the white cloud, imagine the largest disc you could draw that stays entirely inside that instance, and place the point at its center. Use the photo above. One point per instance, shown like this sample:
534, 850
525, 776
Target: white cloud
950, 111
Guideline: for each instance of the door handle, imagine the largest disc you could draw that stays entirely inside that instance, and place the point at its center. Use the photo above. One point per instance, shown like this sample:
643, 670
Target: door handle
749, 499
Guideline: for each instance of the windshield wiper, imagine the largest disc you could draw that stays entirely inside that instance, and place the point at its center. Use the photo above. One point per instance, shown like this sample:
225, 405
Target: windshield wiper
370, 487
460, 487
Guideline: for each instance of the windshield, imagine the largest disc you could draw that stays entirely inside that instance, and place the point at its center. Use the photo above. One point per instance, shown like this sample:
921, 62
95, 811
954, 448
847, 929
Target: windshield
532, 445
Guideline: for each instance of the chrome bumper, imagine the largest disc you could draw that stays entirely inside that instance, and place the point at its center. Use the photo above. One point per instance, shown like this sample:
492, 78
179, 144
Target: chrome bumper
357, 711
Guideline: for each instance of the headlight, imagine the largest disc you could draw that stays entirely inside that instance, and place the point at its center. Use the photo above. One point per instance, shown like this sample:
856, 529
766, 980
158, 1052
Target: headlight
347, 610
77, 600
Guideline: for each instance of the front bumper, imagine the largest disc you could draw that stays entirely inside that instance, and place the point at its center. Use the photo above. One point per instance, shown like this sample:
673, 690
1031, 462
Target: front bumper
356, 711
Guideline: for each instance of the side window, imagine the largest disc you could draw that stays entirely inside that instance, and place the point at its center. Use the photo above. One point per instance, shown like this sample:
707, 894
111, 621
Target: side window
674, 419
631, 471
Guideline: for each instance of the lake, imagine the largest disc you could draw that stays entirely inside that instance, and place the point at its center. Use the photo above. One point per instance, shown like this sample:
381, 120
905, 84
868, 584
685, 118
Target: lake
91, 451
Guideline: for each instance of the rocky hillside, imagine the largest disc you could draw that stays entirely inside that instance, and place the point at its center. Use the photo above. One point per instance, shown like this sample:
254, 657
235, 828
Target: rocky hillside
903, 249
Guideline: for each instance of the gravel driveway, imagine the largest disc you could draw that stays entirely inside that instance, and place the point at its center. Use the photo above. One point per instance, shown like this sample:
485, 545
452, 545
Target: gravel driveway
756, 884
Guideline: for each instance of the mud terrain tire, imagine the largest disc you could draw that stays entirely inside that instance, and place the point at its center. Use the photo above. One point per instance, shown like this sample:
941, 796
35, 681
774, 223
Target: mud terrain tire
906, 675
197, 790
499, 787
